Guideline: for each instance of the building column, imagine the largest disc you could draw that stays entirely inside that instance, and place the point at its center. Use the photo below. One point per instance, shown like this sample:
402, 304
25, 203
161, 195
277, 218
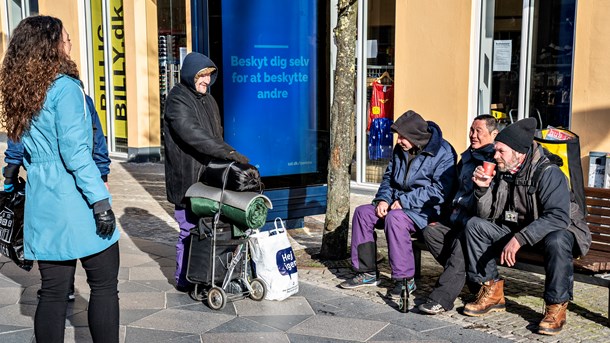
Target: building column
142, 66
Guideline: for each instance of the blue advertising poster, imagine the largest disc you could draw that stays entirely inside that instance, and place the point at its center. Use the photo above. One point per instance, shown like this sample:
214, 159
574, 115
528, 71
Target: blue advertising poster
269, 78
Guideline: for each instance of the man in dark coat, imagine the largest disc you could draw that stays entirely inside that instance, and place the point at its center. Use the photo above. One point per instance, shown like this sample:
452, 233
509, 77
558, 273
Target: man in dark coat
193, 136
509, 217
418, 180
443, 239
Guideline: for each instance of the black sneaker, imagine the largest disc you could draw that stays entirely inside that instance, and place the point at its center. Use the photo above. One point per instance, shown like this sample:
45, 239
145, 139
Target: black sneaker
360, 280
394, 293
431, 307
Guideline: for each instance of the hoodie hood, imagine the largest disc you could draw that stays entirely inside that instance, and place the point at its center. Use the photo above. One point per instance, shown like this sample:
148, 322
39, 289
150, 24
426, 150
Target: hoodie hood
192, 64
413, 127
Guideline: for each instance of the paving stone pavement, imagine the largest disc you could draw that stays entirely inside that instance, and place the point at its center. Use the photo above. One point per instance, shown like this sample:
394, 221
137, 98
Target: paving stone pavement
152, 311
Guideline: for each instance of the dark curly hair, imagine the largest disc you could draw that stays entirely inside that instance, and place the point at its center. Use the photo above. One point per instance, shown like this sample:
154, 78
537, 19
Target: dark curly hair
34, 58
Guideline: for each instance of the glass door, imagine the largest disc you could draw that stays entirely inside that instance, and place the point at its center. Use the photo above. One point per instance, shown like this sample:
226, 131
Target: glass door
500, 59
525, 60
549, 91
375, 90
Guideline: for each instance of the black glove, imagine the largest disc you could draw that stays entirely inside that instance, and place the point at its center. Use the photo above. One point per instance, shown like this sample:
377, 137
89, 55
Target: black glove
11, 174
105, 223
237, 157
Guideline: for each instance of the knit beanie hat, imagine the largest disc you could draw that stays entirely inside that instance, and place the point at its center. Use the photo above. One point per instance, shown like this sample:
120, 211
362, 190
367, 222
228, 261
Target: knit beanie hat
413, 127
519, 135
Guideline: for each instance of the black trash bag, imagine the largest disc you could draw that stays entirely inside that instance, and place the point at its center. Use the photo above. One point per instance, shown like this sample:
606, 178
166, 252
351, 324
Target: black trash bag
240, 177
11, 228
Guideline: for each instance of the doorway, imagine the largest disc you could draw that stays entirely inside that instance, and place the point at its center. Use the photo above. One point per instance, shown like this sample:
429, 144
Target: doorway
526, 60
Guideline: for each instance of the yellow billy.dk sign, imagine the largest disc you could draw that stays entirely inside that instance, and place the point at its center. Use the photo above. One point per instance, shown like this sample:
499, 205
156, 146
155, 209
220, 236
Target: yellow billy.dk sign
117, 67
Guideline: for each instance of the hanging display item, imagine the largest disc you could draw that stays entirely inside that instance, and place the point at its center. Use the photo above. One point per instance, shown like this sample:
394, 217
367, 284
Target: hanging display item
381, 113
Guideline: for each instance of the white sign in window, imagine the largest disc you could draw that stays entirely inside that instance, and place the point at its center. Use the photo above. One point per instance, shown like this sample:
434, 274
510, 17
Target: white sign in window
502, 55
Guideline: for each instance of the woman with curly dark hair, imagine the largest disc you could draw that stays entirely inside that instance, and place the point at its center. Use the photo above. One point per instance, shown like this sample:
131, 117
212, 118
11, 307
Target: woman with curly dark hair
67, 212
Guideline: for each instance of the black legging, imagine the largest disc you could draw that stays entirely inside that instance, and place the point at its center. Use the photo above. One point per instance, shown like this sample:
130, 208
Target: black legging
57, 277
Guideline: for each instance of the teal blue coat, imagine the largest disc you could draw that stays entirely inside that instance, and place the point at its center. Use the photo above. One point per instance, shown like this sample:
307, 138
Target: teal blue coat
63, 181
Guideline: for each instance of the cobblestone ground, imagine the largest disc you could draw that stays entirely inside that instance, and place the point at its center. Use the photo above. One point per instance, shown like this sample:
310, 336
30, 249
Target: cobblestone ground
587, 317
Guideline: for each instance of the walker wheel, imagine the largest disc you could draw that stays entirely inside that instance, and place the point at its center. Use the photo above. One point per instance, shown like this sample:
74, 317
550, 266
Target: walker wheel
259, 290
217, 298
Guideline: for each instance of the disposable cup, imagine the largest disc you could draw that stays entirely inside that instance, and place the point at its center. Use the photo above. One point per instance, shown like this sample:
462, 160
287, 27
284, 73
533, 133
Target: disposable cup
488, 168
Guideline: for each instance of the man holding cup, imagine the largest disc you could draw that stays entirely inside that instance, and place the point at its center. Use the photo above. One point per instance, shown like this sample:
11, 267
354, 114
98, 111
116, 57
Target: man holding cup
488, 168
443, 238
509, 216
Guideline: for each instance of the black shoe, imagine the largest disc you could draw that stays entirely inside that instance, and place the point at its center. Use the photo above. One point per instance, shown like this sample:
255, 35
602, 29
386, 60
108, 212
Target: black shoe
431, 307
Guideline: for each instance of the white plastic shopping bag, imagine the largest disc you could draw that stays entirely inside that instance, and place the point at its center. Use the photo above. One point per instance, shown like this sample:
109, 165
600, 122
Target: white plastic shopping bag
275, 262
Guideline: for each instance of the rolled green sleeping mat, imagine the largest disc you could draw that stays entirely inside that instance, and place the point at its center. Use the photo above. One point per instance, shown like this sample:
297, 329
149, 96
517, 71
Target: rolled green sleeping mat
245, 209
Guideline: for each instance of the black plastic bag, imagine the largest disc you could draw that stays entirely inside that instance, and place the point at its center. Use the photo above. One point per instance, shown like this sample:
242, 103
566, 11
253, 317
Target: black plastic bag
11, 228
240, 177
199, 269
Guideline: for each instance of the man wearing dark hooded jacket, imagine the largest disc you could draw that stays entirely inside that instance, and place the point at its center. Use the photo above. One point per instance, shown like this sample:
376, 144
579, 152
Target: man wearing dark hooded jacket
193, 136
418, 180
443, 239
514, 211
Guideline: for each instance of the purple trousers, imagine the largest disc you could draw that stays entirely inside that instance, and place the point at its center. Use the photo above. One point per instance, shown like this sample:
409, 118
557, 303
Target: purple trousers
186, 221
398, 228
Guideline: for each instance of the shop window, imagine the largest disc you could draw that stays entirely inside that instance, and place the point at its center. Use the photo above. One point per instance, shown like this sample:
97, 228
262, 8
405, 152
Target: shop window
171, 18
19, 9
377, 112
527, 74
551, 72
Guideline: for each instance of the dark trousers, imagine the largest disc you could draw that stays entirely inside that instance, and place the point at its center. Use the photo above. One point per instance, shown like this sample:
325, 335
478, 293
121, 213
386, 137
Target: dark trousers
445, 246
485, 241
186, 221
103, 312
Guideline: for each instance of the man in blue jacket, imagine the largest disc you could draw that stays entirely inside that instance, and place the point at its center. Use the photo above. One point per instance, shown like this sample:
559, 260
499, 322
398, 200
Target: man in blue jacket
444, 239
417, 182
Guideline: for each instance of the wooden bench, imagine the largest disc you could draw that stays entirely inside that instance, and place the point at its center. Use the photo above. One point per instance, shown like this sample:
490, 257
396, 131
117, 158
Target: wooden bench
593, 269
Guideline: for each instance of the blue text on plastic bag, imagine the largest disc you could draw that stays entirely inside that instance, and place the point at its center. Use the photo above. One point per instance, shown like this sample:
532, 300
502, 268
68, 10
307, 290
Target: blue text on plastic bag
286, 262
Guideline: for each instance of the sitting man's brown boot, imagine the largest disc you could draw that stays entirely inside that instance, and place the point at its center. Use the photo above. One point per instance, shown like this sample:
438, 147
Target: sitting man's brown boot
554, 319
489, 299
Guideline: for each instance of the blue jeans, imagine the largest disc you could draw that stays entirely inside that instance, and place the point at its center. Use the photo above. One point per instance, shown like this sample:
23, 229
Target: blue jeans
57, 279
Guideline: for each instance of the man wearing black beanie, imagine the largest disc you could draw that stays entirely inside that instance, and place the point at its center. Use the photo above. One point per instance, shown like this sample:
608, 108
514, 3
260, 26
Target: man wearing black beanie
417, 181
510, 217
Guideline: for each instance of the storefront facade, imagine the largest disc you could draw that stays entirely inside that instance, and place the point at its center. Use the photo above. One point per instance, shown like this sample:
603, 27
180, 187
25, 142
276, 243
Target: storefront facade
118, 64
542, 59
448, 60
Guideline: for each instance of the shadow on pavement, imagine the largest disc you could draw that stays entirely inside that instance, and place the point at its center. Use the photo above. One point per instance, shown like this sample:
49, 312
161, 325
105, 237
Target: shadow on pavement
152, 236
151, 176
